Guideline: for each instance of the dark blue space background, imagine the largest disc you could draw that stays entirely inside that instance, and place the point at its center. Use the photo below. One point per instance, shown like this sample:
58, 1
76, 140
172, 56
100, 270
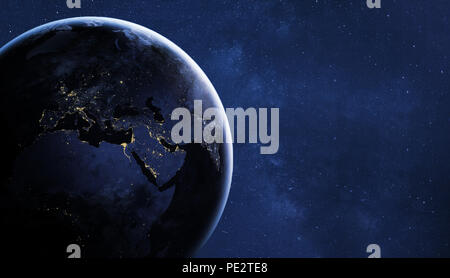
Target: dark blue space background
364, 116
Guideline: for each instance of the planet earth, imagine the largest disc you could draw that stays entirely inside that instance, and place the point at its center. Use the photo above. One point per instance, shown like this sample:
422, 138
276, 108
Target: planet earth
87, 153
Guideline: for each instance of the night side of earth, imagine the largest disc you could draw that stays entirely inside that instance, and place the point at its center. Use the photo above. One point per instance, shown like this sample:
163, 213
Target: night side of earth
88, 157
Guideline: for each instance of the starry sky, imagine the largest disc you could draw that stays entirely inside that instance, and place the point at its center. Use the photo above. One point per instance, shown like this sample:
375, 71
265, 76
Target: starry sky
364, 116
